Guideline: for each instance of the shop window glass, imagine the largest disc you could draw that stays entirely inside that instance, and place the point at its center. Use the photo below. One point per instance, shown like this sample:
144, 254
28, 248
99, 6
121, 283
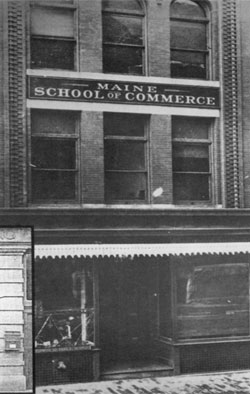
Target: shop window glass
212, 300
52, 38
125, 157
64, 314
53, 156
189, 40
191, 159
123, 37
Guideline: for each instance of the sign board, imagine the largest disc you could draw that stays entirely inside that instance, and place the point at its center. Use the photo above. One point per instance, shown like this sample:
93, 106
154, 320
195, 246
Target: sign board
115, 92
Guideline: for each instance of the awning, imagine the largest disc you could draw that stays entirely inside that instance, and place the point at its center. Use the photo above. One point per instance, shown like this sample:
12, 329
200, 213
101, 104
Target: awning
125, 250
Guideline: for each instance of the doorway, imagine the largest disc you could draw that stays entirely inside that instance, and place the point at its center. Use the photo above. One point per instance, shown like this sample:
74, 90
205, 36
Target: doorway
128, 313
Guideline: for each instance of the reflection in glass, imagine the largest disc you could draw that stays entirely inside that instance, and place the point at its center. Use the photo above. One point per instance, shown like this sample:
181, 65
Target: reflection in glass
212, 300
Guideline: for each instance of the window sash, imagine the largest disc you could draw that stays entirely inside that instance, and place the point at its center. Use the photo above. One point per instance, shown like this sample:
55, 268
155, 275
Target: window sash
50, 47
114, 173
49, 168
117, 61
56, 22
191, 158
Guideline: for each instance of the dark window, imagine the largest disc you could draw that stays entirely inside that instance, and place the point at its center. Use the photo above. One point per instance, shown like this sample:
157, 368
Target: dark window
123, 37
212, 299
189, 40
191, 159
52, 38
125, 157
64, 313
53, 156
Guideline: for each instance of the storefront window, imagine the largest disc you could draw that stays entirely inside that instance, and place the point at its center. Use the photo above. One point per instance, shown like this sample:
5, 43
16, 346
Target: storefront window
212, 299
64, 314
123, 37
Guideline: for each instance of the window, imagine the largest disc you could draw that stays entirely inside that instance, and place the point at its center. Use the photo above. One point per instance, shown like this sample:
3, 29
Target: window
189, 40
125, 157
53, 42
64, 311
212, 299
191, 159
53, 156
123, 37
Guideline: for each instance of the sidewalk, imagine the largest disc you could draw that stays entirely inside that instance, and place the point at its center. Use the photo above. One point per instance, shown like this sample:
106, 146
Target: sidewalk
229, 382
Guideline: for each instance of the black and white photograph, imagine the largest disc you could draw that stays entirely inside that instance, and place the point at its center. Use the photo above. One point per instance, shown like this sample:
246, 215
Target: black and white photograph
124, 145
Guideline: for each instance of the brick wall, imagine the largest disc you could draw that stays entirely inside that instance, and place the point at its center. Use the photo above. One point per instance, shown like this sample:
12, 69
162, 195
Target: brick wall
158, 39
90, 35
92, 161
161, 158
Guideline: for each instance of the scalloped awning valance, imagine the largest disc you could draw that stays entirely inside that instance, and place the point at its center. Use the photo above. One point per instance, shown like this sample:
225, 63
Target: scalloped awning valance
125, 250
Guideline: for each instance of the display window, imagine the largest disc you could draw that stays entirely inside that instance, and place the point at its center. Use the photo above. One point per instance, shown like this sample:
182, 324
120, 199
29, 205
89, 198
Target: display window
212, 300
64, 306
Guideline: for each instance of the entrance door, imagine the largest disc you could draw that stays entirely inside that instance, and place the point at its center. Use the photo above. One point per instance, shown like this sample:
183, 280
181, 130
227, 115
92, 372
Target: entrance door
127, 311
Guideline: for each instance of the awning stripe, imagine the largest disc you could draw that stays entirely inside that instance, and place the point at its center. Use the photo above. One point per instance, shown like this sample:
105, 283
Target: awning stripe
125, 250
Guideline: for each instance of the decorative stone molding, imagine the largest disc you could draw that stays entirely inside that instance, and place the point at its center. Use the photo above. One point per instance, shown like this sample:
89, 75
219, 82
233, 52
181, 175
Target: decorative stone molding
231, 102
16, 65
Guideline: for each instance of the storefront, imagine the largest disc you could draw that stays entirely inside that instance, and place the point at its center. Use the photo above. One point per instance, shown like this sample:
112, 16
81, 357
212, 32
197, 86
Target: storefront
127, 310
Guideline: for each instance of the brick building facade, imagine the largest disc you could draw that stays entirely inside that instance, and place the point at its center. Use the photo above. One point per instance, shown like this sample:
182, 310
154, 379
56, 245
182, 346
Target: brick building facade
125, 135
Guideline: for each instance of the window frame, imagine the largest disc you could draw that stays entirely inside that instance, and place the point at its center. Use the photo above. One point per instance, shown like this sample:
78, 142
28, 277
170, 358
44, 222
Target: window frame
207, 52
134, 14
57, 136
145, 140
226, 262
209, 142
55, 6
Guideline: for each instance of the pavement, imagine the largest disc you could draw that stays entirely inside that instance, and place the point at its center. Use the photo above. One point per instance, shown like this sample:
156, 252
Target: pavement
216, 383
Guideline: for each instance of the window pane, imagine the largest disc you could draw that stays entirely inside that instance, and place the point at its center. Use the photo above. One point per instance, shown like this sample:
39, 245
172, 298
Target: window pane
48, 53
123, 186
122, 29
59, 122
60, 319
191, 187
124, 155
188, 65
122, 60
132, 5
188, 35
212, 300
53, 185
191, 158
52, 22
53, 153
186, 9
196, 128
124, 124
